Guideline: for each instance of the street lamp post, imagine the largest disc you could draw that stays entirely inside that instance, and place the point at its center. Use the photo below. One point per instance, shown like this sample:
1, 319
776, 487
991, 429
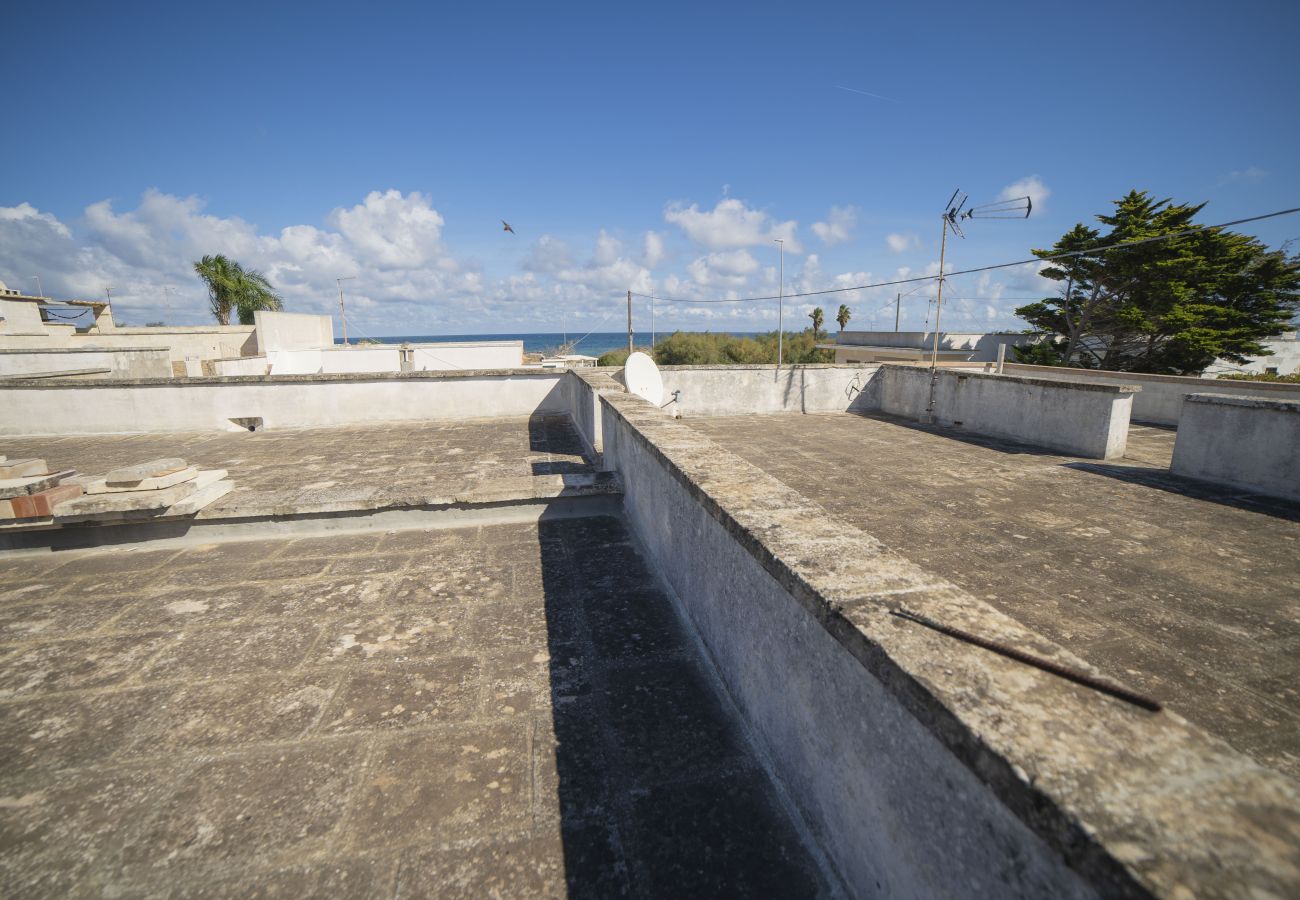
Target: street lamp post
343, 315
780, 306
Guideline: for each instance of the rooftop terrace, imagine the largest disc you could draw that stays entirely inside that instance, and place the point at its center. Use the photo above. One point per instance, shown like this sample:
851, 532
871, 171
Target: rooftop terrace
511, 710
1184, 591
578, 647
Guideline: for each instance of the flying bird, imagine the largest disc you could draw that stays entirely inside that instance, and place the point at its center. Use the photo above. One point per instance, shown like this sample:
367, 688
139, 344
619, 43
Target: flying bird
507, 226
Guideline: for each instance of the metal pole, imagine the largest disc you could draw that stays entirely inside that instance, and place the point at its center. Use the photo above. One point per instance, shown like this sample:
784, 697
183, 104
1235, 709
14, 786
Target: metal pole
652, 323
938, 308
780, 308
629, 323
343, 314
898, 308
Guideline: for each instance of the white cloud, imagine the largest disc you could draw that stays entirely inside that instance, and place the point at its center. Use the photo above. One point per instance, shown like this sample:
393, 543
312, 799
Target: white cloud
731, 225
901, 243
652, 252
1252, 173
1031, 187
838, 226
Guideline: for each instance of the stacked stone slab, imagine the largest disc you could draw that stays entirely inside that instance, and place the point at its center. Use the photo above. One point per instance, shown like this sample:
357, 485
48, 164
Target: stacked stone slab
31, 495
30, 491
158, 488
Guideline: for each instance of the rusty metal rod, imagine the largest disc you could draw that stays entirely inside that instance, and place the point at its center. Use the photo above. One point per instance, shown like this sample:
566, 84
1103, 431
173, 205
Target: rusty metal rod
1038, 662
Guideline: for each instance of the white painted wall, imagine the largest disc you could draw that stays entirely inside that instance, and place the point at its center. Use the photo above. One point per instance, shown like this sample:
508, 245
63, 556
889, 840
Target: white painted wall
1161, 398
210, 404
1080, 419
1285, 359
20, 317
381, 358
452, 355
292, 331
1244, 442
123, 363
746, 390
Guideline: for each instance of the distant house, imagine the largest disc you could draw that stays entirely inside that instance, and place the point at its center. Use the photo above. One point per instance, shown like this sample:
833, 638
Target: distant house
907, 346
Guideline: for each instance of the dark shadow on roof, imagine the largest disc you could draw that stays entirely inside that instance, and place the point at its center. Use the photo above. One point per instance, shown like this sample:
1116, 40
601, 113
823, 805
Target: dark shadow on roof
1164, 480
659, 794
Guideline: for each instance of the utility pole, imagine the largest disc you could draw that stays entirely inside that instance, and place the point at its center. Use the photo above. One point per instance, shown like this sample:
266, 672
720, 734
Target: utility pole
629, 323
652, 323
780, 307
898, 308
343, 312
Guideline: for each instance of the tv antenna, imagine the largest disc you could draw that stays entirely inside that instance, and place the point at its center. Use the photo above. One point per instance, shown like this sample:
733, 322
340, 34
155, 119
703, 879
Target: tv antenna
954, 214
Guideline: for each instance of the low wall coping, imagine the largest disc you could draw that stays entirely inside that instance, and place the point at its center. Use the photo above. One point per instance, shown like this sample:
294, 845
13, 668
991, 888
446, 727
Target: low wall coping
1249, 402
220, 380
1043, 746
1189, 381
1053, 383
84, 350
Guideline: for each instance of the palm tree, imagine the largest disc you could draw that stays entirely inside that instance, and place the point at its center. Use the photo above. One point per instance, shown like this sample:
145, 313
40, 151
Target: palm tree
231, 287
819, 318
843, 316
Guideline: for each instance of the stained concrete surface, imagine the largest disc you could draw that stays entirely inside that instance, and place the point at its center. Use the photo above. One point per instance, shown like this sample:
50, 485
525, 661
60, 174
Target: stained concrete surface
360, 466
1187, 592
508, 710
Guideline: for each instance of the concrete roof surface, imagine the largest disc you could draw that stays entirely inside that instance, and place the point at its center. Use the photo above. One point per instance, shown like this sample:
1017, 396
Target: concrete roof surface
386, 464
1180, 589
508, 709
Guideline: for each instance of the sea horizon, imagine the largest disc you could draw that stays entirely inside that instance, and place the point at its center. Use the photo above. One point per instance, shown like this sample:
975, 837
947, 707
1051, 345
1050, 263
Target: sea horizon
593, 344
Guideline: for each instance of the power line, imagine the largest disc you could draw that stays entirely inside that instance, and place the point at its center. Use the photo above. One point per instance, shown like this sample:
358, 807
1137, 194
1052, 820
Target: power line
1024, 262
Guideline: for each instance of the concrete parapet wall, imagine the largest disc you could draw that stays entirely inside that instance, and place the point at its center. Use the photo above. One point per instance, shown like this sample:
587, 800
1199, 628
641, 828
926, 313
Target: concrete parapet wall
124, 363
1080, 419
1162, 396
291, 331
925, 767
746, 390
198, 404
1246, 442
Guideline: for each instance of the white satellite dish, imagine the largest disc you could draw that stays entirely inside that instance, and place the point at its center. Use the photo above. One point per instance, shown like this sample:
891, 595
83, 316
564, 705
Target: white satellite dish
643, 379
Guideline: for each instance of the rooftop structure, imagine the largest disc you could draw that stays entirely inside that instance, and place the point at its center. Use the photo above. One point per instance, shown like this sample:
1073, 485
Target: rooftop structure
570, 643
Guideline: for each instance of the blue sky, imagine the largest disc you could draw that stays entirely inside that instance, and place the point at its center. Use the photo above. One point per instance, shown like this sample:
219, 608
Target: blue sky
659, 148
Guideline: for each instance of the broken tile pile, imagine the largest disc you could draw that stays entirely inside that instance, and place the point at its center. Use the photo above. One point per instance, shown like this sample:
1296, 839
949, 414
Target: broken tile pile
162, 488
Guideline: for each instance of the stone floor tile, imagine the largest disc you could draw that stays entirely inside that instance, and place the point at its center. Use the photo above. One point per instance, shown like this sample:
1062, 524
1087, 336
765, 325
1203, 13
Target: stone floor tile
207, 652
234, 711
79, 729
58, 619
464, 782
255, 807
395, 695
392, 635
78, 663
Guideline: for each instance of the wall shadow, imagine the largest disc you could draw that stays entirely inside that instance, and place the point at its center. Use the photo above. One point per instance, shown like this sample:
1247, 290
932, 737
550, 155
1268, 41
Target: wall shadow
1001, 445
1164, 480
557, 435
658, 793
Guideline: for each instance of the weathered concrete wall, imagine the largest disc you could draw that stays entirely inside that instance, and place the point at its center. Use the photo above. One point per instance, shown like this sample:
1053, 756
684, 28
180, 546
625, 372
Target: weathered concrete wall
291, 331
923, 766
746, 390
1246, 442
20, 317
1076, 418
382, 358
122, 364
198, 404
980, 346
581, 391
184, 343
1161, 398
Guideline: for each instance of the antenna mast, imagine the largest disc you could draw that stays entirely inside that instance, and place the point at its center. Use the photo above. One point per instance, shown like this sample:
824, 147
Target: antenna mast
953, 216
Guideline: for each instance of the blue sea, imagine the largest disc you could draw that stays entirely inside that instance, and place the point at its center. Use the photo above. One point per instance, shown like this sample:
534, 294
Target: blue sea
594, 344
